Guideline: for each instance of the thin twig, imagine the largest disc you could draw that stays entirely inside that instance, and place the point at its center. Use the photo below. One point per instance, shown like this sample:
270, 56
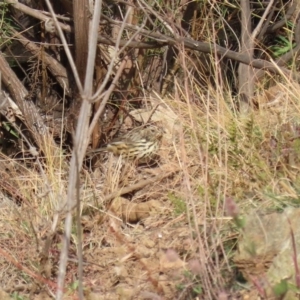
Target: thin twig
97, 95
40, 15
81, 139
66, 48
27, 271
137, 186
261, 21
204, 47
106, 97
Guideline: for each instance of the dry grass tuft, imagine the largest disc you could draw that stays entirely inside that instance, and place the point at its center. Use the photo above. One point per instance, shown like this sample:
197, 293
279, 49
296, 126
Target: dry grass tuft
181, 242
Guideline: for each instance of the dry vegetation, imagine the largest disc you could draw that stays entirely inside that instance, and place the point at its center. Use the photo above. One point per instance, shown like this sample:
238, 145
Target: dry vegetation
168, 231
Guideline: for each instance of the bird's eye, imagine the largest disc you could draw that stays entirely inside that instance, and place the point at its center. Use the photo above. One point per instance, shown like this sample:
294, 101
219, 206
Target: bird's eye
153, 130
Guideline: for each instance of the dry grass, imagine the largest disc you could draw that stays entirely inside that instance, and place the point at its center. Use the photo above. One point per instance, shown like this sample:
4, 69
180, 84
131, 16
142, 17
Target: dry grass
172, 238
183, 244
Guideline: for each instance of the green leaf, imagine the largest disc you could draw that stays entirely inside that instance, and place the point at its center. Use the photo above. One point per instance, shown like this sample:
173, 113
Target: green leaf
281, 288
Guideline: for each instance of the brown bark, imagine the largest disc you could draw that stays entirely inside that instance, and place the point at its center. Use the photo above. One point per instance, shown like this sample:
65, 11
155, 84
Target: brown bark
30, 113
245, 72
81, 29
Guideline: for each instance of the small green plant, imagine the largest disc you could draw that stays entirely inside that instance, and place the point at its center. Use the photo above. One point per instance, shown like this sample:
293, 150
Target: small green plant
191, 286
16, 296
5, 23
281, 288
74, 286
197, 289
179, 204
282, 46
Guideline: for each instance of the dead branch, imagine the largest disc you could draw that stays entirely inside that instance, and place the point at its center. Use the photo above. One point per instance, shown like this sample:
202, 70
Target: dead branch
81, 27
137, 186
30, 113
56, 69
162, 40
245, 73
35, 13
192, 44
287, 16
80, 140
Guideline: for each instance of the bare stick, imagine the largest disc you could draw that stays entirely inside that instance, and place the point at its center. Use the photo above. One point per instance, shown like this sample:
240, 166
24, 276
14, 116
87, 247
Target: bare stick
106, 97
246, 73
136, 186
114, 58
261, 21
80, 140
65, 44
35, 13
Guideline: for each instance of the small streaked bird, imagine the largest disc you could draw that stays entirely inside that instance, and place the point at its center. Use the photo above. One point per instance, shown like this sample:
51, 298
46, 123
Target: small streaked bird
140, 144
